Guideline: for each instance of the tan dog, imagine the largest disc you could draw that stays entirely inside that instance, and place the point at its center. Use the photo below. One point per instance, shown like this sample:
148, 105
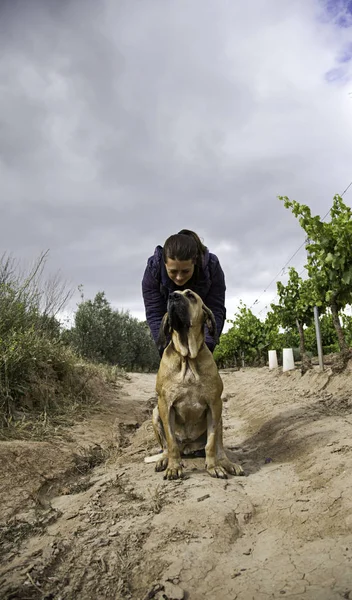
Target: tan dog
188, 416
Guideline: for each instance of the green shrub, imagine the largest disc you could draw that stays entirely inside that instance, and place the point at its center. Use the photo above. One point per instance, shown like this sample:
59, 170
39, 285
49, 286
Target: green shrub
103, 334
39, 373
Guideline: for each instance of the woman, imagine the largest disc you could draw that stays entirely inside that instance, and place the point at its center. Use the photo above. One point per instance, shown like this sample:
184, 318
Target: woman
183, 263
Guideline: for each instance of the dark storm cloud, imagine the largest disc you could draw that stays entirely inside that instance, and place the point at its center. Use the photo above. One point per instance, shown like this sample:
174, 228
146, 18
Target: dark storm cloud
122, 122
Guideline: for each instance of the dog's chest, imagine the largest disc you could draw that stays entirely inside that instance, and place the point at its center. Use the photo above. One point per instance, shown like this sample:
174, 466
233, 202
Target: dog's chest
190, 408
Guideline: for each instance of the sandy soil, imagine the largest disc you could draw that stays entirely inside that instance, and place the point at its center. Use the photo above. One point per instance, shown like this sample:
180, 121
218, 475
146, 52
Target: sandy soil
85, 518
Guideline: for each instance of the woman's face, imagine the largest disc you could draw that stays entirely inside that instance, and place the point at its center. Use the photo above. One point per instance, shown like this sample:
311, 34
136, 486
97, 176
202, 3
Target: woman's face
179, 271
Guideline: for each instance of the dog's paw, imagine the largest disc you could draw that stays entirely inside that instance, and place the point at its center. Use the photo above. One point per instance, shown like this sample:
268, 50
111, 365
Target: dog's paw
237, 470
162, 464
217, 471
231, 467
174, 472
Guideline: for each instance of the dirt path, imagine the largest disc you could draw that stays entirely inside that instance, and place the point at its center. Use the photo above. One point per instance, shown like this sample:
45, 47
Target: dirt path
104, 525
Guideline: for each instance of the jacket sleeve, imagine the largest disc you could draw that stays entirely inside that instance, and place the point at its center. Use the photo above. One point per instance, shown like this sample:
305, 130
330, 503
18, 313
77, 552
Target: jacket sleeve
155, 304
215, 300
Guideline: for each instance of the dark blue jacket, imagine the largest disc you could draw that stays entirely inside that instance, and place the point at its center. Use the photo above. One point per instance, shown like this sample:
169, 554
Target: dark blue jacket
209, 285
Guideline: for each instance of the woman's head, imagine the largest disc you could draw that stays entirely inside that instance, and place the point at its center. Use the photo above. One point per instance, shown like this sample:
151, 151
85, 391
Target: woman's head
182, 252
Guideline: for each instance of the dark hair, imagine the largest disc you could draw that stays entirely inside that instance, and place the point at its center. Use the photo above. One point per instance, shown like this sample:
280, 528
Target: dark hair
184, 245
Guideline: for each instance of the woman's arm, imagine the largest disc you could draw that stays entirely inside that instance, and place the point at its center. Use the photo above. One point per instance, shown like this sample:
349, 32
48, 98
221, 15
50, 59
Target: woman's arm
155, 304
215, 300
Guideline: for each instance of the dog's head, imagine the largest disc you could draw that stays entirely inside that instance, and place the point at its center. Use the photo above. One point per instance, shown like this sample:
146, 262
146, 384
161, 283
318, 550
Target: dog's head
185, 320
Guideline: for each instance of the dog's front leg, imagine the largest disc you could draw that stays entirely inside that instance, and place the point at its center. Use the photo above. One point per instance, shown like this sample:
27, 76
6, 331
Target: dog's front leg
171, 461
217, 463
213, 424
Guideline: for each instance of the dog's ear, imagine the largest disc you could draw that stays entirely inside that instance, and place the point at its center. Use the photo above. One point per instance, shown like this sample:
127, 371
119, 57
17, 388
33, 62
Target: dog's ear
163, 332
210, 322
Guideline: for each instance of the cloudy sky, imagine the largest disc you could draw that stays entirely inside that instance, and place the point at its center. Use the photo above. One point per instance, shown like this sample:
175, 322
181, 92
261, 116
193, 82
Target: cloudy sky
123, 122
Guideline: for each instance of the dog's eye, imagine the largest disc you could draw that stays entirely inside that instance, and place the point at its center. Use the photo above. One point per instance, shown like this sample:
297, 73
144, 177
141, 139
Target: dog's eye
190, 296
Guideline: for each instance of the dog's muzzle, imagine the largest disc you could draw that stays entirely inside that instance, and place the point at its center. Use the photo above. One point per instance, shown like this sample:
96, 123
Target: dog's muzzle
177, 308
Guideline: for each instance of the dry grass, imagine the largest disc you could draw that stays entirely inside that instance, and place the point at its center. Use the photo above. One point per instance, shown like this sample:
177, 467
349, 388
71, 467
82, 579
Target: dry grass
44, 384
15, 531
81, 392
90, 457
157, 499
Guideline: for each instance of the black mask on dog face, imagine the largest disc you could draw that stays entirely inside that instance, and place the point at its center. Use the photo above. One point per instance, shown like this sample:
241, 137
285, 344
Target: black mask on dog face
177, 308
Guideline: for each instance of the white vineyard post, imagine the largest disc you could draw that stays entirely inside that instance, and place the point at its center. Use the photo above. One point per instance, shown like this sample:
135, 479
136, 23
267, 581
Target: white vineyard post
273, 359
318, 336
288, 363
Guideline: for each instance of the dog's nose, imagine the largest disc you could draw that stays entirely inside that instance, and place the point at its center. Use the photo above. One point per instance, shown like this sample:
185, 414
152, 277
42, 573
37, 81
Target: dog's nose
175, 296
